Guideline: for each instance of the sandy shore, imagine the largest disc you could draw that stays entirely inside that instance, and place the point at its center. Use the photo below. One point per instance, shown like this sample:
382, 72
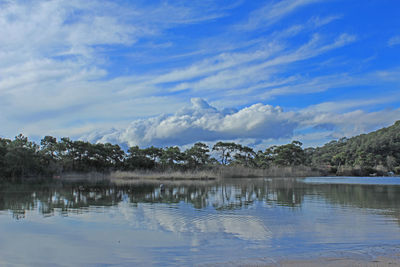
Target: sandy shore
340, 262
357, 260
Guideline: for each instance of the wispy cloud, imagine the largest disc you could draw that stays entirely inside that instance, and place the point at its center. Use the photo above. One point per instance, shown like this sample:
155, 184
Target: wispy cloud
72, 67
237, 71
395, 40
272, 12
318, 21
55, 51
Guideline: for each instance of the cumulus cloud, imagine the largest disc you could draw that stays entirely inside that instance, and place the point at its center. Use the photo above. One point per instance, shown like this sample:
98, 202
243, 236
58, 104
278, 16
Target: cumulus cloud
206, 123
255, 125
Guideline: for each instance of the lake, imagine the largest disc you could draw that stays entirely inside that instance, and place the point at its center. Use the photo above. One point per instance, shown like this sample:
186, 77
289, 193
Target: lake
229, 222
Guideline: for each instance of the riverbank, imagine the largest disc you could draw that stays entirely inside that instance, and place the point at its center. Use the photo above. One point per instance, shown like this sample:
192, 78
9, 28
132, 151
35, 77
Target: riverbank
210, 174
219, 173
340, 262
325, 262
379, 256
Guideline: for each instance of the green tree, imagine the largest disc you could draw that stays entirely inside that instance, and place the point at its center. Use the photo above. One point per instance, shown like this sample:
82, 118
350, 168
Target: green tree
339, 159
226, 151
4, 143
153, 153
139, 159
197, 155
171, 157
114, 155
21, 158
245, 156
391, 162
50, 159
287, 155
261, 160
49, 146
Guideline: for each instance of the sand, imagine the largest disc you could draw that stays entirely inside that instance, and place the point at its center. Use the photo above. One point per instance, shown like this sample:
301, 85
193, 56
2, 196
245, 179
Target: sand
340, 262
359, 260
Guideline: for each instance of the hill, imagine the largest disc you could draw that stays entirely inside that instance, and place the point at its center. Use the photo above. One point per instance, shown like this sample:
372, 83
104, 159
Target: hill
376, 152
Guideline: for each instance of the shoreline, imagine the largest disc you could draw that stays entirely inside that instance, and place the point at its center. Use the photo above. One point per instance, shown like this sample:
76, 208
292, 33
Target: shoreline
381, 261
213, 174
370, 256
207, 175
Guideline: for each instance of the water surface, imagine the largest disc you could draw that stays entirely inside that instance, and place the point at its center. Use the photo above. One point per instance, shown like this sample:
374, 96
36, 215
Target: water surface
235, 221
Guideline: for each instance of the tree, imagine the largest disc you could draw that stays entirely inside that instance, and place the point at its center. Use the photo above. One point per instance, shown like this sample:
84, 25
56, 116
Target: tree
391, 162
287, 155
245, 156
4, 143
21, 158
66, 153
339, 159
197, 155
153, 153
114, 155
139, 159
261, 160
49, 146
50, 159
226, 151
171, 156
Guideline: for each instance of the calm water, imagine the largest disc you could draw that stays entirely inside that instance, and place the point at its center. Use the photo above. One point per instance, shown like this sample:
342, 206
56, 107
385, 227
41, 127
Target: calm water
256, 221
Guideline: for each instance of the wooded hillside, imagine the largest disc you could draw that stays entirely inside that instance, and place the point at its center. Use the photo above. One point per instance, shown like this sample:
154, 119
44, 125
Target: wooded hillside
376, 152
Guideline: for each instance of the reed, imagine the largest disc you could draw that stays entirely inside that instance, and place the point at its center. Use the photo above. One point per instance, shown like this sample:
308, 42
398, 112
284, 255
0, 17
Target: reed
273, 171
216, 173
165, 175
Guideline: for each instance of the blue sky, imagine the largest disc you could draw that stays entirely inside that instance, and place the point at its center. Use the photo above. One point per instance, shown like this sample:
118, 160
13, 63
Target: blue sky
176, 72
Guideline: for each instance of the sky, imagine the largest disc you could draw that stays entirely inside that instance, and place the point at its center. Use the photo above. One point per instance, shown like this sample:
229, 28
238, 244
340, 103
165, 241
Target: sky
165, 73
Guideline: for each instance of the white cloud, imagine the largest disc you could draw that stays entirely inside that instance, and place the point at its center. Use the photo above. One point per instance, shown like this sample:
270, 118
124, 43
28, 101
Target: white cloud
74, 90
56, 28
346, 105
57, 71
272, 12
257, 123
395, 40
245, 70
353, 122
321, 21
243, 227
204, 122
70, 26
53, 60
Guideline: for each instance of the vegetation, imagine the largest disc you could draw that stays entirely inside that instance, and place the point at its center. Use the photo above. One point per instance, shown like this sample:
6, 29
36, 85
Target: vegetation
376, 153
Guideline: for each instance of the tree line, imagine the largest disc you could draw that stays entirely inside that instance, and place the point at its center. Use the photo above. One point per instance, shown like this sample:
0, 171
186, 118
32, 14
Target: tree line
374, 153
377, 152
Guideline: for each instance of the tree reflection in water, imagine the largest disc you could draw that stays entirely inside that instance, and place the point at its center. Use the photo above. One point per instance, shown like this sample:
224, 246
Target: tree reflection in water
64, 198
